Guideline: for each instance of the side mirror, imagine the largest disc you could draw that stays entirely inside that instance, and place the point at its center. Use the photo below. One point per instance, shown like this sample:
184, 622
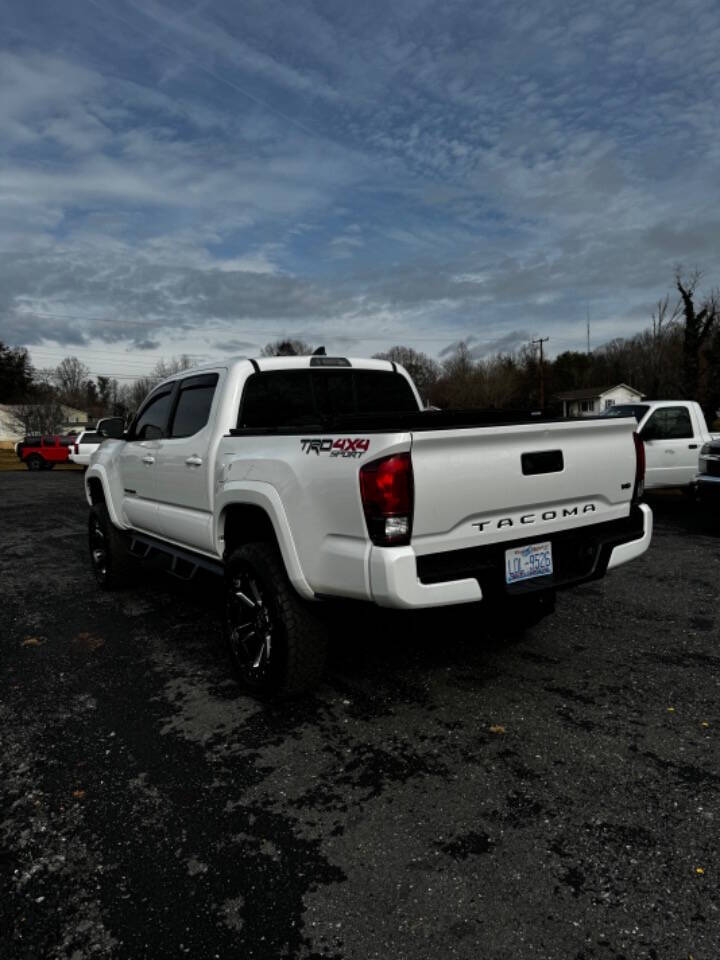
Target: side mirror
112, 427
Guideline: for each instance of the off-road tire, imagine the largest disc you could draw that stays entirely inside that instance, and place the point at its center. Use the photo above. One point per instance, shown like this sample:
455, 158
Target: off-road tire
35, 462
298, 644
117, 568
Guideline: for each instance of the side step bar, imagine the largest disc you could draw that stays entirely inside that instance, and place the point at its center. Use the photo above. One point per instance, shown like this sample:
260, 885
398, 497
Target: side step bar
183, 564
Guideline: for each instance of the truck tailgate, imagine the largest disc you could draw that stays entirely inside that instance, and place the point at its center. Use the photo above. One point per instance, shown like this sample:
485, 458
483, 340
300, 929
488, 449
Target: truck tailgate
485, 485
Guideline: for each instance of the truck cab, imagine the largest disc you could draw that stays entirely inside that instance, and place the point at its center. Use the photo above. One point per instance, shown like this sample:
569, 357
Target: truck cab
673, 432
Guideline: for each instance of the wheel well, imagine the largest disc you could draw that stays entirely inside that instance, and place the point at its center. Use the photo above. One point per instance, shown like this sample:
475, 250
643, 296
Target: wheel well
245, 523
96, 491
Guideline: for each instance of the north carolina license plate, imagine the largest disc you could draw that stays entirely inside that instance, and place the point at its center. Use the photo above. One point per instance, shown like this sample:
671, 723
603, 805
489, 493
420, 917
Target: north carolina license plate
523, 563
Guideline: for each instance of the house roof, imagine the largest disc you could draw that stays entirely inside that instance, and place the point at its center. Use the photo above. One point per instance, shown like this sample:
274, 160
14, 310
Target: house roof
594, 393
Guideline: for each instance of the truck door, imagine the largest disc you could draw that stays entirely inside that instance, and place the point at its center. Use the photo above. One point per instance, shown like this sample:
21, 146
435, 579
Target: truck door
671, 448
182, 470
138, 459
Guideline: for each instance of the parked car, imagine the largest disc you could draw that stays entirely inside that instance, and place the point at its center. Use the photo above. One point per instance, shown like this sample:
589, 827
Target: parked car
42, 453
84, 446
708, 480
32, 440
673, 432
308, 479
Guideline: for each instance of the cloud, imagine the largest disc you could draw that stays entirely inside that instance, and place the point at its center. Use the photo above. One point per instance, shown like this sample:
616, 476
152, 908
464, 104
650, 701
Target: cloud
235, 346
217, 175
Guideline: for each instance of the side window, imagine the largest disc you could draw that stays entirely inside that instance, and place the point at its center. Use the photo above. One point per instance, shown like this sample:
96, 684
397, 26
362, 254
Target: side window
48, 441
151, 423
282, 398
669, 423
192, 411
678, 423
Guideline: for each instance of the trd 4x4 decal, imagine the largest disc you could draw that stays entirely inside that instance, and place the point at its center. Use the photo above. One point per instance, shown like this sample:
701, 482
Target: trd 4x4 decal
342, 447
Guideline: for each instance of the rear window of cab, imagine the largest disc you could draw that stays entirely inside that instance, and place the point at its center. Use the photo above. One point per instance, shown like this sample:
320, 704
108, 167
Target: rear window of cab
296, 398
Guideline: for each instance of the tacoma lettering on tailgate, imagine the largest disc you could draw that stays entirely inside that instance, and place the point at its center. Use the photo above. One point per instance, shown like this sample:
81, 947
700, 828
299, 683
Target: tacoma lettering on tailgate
527, 518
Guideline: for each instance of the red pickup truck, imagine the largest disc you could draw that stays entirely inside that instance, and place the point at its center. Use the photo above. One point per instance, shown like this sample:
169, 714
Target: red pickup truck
42, 453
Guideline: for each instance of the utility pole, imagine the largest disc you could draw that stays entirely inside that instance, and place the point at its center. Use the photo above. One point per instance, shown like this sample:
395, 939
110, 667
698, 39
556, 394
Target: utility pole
588, 329
541, 341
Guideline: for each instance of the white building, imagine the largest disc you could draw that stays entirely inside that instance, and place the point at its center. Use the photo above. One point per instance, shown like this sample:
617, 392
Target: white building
594, 400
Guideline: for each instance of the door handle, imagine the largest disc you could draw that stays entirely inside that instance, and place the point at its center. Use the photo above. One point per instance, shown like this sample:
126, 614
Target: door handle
148, 459
194, 461
692, 446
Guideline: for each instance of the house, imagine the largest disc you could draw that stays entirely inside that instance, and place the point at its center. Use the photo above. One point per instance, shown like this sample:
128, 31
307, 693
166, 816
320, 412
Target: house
18, 419
594, 400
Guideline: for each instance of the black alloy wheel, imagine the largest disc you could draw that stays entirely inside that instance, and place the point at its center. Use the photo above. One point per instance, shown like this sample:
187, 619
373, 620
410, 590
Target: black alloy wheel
251, 628
112, 563
98, 549
34, 462
276, 639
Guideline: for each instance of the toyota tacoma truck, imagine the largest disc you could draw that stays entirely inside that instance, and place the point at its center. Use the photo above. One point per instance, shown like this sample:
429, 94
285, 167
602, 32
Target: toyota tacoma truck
304, 480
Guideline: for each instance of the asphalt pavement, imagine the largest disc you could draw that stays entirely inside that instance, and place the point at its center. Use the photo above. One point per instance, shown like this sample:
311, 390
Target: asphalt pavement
447, 793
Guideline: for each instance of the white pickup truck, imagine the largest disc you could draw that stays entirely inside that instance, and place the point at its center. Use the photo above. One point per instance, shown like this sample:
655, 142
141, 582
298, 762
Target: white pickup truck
303, 479
674, 432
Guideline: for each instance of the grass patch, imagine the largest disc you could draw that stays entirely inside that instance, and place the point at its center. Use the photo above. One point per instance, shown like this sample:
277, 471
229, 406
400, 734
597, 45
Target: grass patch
9, 463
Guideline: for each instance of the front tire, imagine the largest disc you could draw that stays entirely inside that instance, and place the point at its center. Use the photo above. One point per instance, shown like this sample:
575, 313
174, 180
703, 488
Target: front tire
277, 644
34, 462
111, 561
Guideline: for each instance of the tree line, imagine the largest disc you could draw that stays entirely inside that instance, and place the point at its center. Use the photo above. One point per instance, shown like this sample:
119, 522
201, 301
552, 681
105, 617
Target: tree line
676, 356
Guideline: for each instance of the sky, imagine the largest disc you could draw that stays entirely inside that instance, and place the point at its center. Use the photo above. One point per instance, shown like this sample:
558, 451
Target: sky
204, 177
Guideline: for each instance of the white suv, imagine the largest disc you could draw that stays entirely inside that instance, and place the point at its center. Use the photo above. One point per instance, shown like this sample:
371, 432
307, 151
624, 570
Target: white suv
85, 445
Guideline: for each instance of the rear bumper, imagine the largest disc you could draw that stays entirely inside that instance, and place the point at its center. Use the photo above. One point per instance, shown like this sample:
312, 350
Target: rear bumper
399, 578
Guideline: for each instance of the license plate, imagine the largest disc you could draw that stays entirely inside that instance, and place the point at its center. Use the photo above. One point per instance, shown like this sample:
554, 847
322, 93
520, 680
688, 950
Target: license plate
524, 563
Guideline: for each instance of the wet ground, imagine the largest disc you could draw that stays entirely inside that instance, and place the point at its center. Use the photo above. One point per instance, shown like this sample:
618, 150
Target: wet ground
445, 794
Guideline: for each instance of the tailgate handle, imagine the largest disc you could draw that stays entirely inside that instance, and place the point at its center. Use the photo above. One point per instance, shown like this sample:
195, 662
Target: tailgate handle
542, 461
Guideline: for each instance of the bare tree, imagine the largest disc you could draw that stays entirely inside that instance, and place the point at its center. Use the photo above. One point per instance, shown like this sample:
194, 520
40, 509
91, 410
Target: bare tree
423, 369
44, 417
70, 378
166, 368
128, 398
698, 325
286, 348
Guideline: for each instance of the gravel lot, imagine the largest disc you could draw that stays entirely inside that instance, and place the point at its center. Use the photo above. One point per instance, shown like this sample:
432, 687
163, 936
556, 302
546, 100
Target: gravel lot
444, 795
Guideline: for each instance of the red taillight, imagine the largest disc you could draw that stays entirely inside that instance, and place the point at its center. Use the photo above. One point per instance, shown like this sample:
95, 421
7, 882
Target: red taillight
76, 448
639, 467
386, 488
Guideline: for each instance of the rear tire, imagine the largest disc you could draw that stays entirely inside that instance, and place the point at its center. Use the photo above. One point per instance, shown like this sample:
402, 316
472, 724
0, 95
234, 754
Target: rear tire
34, 462
276, 641
112, 563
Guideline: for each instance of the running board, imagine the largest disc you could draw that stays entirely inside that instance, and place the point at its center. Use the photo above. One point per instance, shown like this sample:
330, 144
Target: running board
184, 564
